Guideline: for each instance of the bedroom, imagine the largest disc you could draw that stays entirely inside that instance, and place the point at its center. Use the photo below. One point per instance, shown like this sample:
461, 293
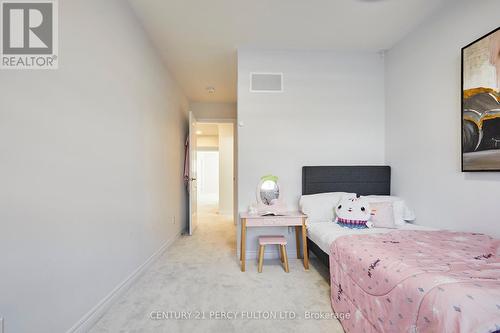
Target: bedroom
92, 157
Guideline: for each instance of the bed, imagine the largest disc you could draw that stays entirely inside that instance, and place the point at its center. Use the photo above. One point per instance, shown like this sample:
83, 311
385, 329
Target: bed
363, 180
409, 280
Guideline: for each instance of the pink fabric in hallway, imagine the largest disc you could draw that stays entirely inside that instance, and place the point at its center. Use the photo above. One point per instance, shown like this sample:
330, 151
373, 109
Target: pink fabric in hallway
186, 163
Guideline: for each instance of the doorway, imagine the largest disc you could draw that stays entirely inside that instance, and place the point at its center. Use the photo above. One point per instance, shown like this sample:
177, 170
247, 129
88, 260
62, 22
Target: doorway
208, 180
215, 169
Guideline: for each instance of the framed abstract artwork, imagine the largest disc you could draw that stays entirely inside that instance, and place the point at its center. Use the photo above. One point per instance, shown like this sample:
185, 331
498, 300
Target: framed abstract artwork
481, 104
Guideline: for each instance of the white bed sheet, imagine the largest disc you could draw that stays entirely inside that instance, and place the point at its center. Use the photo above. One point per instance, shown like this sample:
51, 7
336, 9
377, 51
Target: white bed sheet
324, 233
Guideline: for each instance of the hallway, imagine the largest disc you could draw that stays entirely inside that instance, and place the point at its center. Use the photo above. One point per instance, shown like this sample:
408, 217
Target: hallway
201, 274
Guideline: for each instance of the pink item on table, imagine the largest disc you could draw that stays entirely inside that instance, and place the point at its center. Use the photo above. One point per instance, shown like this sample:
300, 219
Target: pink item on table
416, 281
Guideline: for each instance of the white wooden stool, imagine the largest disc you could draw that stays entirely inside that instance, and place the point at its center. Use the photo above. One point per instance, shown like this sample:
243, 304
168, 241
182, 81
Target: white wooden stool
273, 240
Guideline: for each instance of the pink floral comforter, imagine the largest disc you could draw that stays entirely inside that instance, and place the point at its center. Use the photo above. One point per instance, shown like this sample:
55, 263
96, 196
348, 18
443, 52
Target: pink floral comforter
416, 281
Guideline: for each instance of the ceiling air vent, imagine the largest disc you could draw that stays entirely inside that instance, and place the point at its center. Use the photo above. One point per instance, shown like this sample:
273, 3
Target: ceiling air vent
266, 82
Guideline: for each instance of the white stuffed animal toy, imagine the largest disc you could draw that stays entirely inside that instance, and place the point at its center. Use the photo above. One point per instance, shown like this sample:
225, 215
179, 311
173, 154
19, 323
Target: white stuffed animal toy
354, 213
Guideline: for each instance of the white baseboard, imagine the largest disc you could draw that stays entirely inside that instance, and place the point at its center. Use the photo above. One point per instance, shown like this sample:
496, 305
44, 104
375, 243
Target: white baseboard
93, 316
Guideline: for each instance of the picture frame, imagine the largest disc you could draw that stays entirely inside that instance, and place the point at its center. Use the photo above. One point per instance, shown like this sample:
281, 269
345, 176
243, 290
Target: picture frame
480, 104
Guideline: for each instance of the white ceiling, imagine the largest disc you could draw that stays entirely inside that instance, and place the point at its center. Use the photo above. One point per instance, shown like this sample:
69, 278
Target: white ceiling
198, 39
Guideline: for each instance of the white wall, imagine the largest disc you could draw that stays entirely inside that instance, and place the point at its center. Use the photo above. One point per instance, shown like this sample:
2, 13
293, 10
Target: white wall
226, 165
91, 162
207, 142
330, 113
213, 110
208, 176
423, 121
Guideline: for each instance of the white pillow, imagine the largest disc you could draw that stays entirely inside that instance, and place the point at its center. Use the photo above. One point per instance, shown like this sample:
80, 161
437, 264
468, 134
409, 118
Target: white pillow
402, 213
320, 207
382, 215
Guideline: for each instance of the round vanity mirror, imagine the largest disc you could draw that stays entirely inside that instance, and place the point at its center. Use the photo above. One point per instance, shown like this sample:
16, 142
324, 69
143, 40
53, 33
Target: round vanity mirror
269, 198
269, 191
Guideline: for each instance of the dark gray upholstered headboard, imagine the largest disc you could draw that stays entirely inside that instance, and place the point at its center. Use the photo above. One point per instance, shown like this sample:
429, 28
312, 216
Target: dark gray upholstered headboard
363, 180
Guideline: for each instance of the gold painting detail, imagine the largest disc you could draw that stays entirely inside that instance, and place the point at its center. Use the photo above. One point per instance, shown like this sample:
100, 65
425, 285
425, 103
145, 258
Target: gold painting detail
481, 104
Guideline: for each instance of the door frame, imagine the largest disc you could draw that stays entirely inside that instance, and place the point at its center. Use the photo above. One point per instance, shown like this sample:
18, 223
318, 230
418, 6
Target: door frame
192, 181
235, 158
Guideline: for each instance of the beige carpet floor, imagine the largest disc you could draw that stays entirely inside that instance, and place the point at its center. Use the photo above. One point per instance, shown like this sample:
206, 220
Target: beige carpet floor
200, 274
